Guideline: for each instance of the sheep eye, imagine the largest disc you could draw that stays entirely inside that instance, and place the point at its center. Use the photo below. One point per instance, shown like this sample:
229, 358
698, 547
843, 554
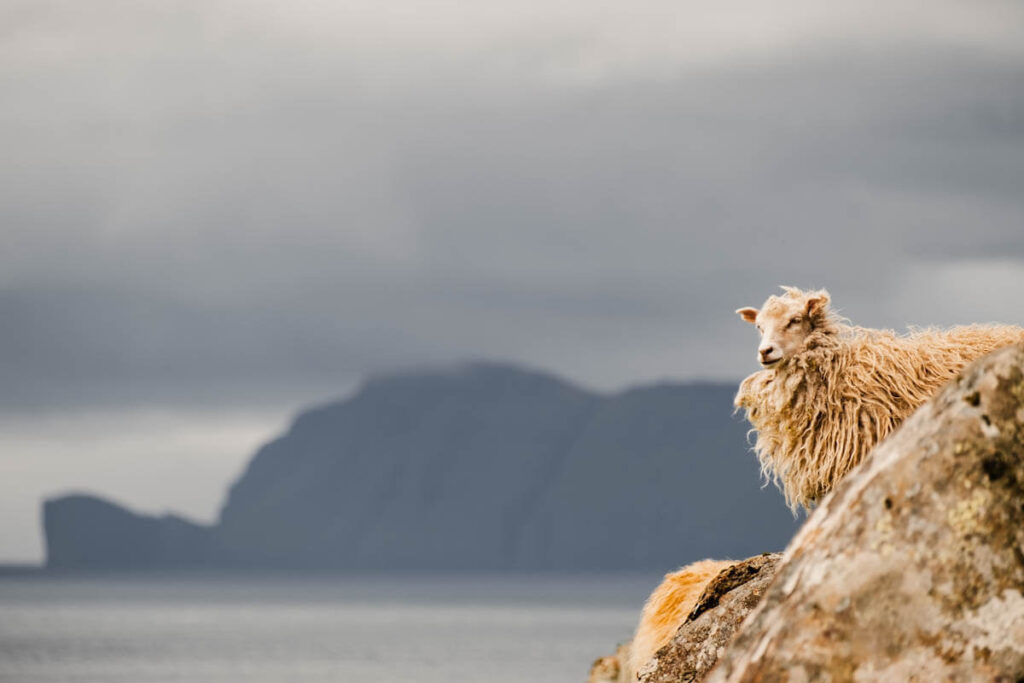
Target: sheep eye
792, 322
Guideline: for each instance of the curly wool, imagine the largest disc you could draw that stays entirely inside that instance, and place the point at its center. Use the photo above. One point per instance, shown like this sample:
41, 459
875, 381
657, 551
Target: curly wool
820, 414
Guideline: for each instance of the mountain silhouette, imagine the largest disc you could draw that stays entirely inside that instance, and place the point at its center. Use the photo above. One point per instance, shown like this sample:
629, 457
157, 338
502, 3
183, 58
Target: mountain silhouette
483, 466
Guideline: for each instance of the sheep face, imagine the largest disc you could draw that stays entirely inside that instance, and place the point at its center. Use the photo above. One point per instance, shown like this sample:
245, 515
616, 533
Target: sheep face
785, 322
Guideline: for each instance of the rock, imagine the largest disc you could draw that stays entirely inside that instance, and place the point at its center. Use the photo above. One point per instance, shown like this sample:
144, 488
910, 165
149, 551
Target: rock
709, 627
912, 568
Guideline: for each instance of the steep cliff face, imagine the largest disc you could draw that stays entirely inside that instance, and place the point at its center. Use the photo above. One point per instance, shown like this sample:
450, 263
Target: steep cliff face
657, 477
430, 470
493, 467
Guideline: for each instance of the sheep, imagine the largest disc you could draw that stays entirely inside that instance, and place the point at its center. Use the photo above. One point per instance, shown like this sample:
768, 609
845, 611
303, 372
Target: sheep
828, 391
664, 612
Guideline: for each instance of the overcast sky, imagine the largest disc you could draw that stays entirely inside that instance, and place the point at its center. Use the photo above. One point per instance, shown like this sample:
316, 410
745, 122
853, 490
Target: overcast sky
215, 212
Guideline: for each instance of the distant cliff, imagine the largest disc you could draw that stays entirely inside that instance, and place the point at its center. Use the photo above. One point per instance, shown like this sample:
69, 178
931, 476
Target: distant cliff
84, 532
482, 467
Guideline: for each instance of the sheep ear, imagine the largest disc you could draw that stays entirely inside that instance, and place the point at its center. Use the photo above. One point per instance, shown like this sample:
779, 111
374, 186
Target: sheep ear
817, 303
748, 314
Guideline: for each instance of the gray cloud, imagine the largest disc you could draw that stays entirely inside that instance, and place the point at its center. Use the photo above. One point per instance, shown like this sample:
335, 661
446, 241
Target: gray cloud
206, 205
213, 212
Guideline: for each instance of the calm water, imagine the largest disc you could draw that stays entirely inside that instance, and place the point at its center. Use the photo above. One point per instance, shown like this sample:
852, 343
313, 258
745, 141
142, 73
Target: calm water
481, 629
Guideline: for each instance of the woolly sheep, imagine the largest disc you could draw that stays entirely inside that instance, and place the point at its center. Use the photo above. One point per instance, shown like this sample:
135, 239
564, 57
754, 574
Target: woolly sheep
829, 392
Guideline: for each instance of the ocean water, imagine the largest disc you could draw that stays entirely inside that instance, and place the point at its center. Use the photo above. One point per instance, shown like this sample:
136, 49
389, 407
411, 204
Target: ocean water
301, 628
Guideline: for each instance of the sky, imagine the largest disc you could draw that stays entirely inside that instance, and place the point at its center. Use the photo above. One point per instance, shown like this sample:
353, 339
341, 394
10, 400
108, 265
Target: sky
216, 212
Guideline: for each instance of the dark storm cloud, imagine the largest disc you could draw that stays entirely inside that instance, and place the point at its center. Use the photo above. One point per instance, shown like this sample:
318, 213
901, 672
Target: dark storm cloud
198, 206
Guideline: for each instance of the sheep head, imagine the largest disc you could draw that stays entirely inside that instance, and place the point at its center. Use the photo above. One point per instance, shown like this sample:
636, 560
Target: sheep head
786, 323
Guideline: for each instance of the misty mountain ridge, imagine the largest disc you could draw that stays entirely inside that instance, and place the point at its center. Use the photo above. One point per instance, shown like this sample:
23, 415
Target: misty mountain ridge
482, 466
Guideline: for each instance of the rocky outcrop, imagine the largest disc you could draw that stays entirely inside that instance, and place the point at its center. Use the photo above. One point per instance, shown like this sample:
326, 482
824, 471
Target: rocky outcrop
912, 569
85, 532
711, 624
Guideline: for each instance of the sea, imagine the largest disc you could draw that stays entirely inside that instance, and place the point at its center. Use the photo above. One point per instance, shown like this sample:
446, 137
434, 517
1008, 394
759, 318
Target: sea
302, 628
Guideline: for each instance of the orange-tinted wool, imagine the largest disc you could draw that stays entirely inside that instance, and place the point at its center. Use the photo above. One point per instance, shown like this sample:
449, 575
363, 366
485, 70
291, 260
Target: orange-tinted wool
667, 609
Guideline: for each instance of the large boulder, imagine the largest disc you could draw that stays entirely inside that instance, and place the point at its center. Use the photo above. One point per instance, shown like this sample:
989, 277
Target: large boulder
912, 569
